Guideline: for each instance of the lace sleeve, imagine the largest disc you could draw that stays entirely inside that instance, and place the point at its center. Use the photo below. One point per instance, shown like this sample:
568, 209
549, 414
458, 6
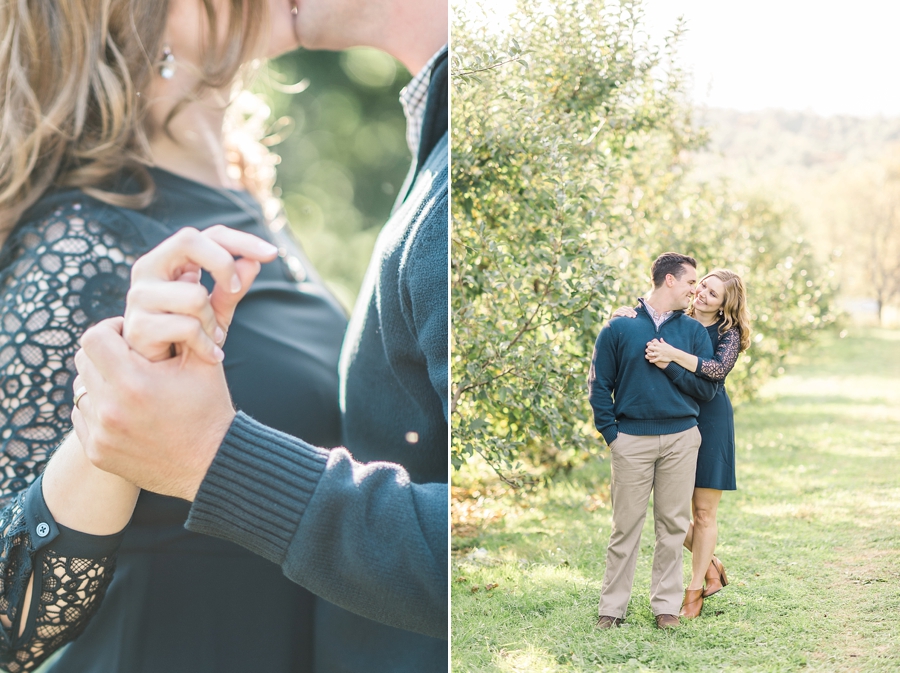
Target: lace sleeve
58, 276
718, 367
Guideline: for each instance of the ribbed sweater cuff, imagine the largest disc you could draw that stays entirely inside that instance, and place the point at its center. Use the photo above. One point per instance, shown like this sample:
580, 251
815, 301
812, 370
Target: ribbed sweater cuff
674, 371
610, 433
257, 488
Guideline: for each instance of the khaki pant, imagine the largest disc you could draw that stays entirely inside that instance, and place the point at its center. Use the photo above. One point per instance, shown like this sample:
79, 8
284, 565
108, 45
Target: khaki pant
664, 464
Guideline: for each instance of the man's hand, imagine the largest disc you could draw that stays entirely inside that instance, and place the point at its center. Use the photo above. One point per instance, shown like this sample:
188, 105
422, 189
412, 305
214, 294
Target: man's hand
156, 424
168, 306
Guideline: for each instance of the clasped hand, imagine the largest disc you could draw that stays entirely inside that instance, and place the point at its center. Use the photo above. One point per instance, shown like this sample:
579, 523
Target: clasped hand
157, 405
659, 353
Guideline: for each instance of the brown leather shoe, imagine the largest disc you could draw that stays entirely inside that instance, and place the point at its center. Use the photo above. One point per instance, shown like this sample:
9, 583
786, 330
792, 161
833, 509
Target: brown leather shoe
715, 577
692, 603
607, 622
667, 622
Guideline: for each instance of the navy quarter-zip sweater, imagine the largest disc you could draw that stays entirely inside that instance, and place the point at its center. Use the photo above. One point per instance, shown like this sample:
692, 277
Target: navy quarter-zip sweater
630, 394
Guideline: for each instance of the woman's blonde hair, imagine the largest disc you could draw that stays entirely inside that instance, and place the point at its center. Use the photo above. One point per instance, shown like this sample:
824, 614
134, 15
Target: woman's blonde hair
734, 305
71, 73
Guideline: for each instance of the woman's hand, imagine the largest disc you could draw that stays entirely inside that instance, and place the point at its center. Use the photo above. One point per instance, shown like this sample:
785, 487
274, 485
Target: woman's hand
624, 312
168, 310
660, 353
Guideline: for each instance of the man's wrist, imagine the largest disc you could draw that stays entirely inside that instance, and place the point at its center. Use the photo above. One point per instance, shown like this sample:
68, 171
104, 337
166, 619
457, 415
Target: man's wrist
211, 442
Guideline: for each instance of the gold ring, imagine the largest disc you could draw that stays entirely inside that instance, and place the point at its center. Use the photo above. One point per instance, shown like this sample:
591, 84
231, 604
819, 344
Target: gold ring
81, 392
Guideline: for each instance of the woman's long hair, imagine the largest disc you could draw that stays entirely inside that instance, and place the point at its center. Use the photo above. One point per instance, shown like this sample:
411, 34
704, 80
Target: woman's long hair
71, 73
734, 306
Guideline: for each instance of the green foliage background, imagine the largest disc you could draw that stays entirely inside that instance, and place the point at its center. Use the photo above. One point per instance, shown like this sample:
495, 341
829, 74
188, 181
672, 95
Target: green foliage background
345, 155
570, 145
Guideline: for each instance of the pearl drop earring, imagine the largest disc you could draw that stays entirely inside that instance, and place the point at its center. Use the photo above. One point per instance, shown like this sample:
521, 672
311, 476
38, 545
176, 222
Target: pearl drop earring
167, 68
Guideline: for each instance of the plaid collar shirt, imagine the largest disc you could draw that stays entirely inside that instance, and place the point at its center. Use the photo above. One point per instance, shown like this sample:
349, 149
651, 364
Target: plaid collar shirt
413, 98
658, 318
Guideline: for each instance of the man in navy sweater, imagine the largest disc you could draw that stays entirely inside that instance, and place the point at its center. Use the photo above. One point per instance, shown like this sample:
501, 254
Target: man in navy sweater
647, 414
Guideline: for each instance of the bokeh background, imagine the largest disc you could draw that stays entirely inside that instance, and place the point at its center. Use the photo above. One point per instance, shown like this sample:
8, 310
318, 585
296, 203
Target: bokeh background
344, 154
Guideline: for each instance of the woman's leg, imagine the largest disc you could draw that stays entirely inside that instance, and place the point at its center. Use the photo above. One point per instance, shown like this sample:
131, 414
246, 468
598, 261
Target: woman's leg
703, 540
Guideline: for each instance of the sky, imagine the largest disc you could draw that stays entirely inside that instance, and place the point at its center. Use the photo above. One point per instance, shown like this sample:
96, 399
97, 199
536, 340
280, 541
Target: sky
827, 57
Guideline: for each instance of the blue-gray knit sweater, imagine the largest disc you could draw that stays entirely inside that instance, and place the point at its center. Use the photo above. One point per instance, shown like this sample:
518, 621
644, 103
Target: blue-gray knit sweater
370, 537
630, 394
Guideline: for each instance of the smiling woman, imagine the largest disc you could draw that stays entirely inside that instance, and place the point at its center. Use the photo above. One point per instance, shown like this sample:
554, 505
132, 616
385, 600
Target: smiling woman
113, 138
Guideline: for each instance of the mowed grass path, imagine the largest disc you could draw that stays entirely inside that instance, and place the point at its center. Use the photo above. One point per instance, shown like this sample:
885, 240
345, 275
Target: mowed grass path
811, 542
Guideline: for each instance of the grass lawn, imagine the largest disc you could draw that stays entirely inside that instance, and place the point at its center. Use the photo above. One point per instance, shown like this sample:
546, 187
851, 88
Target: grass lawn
811, 543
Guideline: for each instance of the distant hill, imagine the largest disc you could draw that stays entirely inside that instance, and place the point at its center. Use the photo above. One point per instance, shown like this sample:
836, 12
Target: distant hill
824, 168
746, 144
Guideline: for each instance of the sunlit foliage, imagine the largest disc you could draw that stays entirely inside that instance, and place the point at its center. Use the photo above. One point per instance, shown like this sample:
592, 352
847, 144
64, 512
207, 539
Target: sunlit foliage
344, 154
570, 136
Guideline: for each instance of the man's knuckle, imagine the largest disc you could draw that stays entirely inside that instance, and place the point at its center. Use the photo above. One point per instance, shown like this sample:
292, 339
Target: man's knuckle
187, 234
109, 417
136, 295
89, 339
138, 267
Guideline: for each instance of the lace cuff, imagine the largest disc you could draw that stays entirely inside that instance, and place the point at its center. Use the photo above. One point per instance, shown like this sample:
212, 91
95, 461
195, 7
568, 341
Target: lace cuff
71, 573
726, 355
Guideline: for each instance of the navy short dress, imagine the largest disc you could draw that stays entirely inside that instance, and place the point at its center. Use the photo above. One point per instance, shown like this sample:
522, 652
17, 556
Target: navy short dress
715, 459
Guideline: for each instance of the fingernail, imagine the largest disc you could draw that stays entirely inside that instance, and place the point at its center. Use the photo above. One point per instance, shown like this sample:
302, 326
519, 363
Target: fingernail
219, 354
267, 248
220, 335
235, 284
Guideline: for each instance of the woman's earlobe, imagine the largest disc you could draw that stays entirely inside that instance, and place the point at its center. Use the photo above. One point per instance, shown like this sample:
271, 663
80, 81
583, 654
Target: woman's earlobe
167, 66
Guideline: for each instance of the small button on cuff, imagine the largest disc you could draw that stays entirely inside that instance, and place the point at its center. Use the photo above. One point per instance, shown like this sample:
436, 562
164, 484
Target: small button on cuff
43, 529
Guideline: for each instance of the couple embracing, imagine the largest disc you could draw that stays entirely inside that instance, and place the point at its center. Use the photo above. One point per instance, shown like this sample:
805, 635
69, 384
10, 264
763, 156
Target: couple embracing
657, 392
276, 501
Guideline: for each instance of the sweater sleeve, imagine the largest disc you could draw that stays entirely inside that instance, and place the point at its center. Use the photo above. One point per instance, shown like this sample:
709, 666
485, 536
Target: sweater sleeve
58, 275
720, 365
688, 382
601, 383
361, 536
425, 289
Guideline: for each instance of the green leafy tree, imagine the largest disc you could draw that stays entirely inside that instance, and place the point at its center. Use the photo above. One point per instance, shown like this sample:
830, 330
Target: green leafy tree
570, 133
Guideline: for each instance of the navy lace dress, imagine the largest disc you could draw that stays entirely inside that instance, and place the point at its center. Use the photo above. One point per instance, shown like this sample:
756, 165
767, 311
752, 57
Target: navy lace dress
157, 598
715, 459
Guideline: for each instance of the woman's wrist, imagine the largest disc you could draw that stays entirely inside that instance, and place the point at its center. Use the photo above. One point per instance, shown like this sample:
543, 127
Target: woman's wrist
83, 497
686, 360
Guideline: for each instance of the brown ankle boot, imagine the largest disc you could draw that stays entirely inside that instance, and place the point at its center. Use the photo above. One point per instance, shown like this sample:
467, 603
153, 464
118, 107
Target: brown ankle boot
692, 603
715, 577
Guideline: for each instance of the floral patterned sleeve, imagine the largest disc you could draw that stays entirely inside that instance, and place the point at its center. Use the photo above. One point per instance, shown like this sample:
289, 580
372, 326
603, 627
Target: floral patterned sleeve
58, 275
726, 355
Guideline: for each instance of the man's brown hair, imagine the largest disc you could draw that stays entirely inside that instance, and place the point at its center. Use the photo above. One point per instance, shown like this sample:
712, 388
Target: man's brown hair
669, 262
